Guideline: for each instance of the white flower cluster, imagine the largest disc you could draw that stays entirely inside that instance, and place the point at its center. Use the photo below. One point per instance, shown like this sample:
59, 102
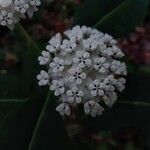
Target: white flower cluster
12, 10
83, 67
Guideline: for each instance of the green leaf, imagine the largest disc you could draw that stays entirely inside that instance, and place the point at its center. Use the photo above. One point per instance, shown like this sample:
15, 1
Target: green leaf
115, 17
13, 85
30, 52
49, 130
8, 109
18, 125
22, 79
124, 18
93, 10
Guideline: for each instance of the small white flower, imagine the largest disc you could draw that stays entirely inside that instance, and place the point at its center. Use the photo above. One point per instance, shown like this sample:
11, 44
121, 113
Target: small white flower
120, 84
101, 64
75, 95
35, 2
21, 6
96, 88
58, 87
75, 34
76, 75
102, 46
43, 78
63, 109
107, 52
110, 98
107, 39
5, 3
83, 59
6, 18
45, 58
84, 69
54, 43
96, 35
117, 52
93, 108
11, 11
118, 68
68, 46
109, 83
90, 44
57, 65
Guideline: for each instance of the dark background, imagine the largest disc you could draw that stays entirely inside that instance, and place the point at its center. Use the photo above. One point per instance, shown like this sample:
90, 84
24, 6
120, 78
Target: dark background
126, 126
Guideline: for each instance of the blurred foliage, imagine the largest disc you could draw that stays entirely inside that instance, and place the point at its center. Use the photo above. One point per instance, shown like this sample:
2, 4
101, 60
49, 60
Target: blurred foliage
116, 17
90, 12
28, 120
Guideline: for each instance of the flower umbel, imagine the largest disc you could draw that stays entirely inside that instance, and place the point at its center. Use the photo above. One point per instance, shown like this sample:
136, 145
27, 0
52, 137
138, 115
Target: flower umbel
11, 11
83, 67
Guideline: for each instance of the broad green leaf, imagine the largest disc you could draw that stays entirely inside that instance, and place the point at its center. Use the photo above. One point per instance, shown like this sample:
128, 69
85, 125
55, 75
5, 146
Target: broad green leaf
93, 10
114, 17
22, 82
30, 52
32, 123
17, 121
13, 85
124, 18
49, 131
8, 109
